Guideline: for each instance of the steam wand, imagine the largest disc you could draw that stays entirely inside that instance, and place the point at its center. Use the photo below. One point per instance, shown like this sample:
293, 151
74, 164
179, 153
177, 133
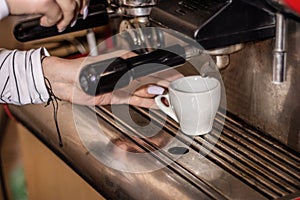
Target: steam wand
279, 53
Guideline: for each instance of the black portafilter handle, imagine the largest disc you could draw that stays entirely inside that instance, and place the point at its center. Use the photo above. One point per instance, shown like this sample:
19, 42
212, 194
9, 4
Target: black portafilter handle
108, 75
32, 30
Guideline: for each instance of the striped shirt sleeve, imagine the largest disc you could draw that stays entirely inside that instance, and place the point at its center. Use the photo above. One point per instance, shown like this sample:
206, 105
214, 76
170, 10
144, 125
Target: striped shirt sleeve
21, 77
4, 11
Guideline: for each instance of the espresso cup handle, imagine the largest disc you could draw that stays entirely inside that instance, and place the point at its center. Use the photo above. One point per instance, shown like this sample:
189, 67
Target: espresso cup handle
166, 109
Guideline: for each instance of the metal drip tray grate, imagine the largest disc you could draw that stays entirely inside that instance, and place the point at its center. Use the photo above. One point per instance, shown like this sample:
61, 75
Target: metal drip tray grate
255, 159
239, 163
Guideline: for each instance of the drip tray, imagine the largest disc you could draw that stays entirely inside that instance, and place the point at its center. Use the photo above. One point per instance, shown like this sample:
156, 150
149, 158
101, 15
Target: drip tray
234, 161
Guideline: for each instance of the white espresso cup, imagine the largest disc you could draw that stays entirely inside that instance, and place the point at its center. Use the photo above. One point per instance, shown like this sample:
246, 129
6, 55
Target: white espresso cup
193, 103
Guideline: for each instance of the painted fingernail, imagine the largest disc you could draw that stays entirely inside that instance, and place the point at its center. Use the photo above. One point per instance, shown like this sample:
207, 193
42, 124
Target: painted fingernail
85, 12
153, 89
73, 23
62, 29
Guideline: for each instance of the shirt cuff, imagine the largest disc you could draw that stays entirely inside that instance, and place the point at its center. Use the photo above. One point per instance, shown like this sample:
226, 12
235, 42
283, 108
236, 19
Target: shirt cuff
4, 11
37, 72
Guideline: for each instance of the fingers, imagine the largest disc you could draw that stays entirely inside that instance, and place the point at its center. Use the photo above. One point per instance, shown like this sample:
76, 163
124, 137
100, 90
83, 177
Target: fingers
71, 93
70, 10
141, 102
125, 97
61, 12
54, 12
143, 92
84, 8
51, 13
149, 91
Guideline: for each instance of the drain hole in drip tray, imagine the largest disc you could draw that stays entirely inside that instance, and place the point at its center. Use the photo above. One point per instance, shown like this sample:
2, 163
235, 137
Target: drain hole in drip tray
178, 150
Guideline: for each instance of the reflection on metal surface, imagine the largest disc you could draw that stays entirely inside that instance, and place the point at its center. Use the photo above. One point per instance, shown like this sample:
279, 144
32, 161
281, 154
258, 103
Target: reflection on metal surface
239, 163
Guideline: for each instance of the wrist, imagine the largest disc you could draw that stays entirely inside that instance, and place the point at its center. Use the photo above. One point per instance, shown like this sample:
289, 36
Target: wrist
49, 68
60, 70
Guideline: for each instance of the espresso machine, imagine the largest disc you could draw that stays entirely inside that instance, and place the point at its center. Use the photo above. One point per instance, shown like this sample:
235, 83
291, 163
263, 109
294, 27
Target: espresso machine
253, 151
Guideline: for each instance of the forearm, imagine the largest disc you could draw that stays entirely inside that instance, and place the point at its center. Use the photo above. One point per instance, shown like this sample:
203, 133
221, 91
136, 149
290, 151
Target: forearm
21, 77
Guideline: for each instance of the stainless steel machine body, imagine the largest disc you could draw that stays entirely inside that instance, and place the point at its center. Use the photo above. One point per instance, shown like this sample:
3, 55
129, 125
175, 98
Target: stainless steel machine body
255, 155
273, 108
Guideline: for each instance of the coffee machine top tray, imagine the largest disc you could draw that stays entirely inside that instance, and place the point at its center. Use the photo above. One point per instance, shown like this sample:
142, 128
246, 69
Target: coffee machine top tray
216, 23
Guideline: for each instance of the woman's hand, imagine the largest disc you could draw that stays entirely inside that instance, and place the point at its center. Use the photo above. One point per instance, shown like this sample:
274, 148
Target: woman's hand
63, 75
60, 12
